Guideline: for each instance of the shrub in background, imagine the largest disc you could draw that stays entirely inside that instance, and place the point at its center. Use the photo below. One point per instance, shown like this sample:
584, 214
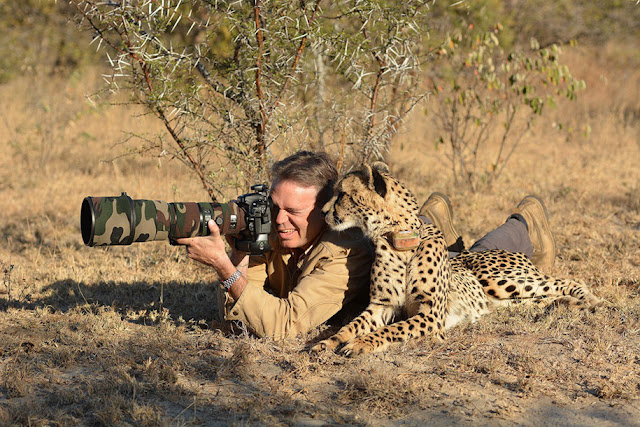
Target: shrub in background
239, 83
232, 82
483, 92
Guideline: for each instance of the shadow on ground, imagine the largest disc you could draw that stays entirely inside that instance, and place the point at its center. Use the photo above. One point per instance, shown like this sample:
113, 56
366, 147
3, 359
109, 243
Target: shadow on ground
196, 301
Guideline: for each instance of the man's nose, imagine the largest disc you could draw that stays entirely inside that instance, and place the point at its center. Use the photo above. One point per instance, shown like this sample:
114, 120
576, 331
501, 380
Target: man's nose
281, 216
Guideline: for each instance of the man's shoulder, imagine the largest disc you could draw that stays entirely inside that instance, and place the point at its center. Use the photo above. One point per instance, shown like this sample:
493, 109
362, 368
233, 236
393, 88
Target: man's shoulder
346, 240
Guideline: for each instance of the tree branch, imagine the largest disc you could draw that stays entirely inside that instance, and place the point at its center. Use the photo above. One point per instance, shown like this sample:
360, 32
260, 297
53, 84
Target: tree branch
155, 104
262, 124
294, 67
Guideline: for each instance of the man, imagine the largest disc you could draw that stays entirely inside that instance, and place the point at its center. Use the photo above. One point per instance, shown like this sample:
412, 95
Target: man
312, 272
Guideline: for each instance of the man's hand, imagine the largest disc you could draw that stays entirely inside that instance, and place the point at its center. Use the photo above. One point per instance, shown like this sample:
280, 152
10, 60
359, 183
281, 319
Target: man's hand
209, 250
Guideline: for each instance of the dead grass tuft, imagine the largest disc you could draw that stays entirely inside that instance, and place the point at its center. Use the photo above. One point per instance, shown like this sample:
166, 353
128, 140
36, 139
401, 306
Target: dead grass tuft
374, 393
15, 379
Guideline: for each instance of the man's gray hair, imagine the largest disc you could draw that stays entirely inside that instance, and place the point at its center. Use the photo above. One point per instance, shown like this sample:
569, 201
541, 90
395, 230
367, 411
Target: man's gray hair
308, 169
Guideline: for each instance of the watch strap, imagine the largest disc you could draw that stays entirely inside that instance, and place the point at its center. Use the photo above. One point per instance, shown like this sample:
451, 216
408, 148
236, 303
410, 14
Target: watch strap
227, 283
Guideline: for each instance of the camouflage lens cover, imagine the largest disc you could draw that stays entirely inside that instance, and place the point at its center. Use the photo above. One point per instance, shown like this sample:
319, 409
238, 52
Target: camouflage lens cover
121, 220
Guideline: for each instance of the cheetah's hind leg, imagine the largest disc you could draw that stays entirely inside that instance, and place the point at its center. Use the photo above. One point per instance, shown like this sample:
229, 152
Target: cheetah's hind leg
511, 276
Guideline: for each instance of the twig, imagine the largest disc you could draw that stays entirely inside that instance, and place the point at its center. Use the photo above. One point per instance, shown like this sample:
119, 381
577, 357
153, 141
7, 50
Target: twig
7, 278
82, 294
262, 125
185, 409
373, 100
343, 143
124, 36
294, 67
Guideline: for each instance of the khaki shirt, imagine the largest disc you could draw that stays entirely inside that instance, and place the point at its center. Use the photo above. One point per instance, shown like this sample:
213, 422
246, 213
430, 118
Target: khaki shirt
285, 298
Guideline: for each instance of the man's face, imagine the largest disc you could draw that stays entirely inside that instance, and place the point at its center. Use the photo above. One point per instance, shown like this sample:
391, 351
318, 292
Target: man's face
298, 220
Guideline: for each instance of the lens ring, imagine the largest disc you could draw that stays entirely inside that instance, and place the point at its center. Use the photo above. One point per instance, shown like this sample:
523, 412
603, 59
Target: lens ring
87, 221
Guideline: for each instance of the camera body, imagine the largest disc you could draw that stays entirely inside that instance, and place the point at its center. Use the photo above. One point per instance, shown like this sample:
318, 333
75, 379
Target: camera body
257, 210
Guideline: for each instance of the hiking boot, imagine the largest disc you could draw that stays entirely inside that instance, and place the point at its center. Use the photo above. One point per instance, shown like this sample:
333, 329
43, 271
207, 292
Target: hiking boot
438, 209
535, 214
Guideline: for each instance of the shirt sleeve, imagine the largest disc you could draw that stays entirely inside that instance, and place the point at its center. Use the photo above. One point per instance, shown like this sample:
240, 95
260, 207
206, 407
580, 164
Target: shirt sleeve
336, 279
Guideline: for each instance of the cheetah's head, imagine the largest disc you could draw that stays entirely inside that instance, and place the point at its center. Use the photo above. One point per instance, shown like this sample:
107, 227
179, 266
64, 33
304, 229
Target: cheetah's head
373, 201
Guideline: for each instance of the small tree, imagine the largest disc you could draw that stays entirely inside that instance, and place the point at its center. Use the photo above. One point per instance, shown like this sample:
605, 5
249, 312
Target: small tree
374, 46
229, 79
483, 92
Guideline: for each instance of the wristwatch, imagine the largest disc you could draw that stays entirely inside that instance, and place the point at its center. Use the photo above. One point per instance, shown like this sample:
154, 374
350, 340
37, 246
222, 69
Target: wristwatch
228, 283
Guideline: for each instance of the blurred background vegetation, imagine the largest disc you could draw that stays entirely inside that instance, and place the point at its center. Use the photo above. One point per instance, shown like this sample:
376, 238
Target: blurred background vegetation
41, 37
466, 56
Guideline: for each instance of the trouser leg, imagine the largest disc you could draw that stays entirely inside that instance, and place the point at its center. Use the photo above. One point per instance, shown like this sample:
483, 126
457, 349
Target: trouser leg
511, 236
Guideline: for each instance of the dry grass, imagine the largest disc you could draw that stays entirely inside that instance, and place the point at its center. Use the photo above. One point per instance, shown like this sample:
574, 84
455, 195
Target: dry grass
128, 336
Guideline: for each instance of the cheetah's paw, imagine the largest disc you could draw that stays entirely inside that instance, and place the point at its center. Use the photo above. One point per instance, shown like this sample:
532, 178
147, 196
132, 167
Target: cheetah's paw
328, 344
358, 347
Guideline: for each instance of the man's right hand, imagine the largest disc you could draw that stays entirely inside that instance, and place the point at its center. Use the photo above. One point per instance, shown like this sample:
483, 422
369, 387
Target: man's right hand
209, 250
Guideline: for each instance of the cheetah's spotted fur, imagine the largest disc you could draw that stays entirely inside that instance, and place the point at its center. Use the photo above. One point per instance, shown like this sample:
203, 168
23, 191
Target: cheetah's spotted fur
433, 291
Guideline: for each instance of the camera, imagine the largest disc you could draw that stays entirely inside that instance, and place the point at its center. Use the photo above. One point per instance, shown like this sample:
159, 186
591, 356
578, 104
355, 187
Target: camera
121, 220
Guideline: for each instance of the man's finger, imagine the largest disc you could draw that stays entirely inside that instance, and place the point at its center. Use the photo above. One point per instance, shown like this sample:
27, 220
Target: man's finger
184, 240
213, 228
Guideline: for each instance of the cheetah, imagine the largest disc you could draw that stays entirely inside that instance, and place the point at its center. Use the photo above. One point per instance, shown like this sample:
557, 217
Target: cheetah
412, 274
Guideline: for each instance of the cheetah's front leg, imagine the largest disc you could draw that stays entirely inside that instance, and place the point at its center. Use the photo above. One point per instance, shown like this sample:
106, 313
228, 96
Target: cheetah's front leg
374, 317
425, 323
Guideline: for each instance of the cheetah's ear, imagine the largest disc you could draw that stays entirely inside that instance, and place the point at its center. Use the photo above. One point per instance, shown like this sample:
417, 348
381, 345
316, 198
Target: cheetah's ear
380, 167
379, 184
367, 175
373, 180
